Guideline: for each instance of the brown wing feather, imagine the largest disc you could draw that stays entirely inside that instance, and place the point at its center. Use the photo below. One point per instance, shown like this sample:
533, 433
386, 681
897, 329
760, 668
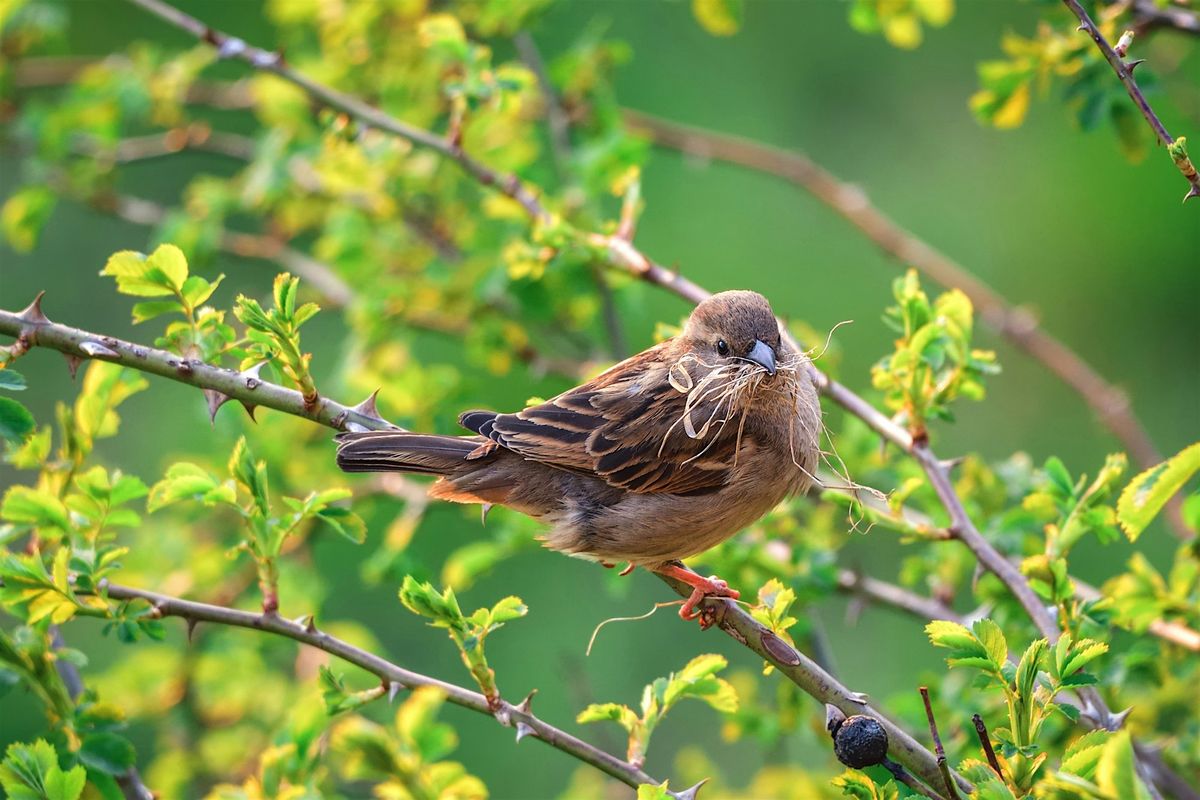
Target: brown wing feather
615, 427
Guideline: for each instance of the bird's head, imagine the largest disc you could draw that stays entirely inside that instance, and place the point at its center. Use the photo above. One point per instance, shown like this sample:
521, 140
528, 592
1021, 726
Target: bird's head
736, 329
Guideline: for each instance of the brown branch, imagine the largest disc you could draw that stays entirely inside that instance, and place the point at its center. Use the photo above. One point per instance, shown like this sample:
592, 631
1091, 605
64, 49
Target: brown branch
1149, 15
1124, 72
985, 742
507, 714
1018, 325
937, 747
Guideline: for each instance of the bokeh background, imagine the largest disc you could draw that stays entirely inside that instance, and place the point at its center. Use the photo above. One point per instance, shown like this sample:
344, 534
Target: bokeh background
1052, 217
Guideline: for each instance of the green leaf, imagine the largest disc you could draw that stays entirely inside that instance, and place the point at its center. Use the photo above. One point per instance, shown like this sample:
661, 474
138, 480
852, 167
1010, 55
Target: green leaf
108, 753
31, 772
183, 481
11, 380
1116, 773
24, 214
861, 786
168, 260
154, 308
509, 608
992, 639
28, 506
16, 422
718, 17
345, 522
621, 714
1082, 756
1149, 491
649, 791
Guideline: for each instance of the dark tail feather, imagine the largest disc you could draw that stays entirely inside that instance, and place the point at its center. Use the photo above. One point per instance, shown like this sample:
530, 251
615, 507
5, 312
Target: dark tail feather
392, 451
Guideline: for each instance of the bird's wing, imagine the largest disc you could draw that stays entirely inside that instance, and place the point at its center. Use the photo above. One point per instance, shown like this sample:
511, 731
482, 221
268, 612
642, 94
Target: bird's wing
626, 427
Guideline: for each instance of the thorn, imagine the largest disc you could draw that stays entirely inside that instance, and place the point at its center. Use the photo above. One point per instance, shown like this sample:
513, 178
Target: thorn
524, 730
215, 400
629, 567
1192, 192
97, 350
1082, 27
73, 362
393, 690
308, 622
1131, 65
191, 628
33, 311
251, 375
949, 464
483, 512
859, 697
688, 793
250, 408
526, 705
230, 47
368, 408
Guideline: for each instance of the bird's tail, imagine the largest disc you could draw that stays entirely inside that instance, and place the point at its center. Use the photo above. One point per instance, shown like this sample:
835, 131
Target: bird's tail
403, 451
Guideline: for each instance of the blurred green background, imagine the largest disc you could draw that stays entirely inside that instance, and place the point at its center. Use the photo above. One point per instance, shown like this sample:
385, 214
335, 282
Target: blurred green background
1048, 215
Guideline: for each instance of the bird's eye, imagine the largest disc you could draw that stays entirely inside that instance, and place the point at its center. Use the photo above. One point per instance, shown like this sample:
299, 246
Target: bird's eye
722, 347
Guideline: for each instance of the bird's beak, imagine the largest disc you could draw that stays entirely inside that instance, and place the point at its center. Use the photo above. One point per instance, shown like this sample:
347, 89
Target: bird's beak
762, 355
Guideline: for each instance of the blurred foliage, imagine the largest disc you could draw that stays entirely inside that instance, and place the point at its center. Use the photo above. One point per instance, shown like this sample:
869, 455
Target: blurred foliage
412, 255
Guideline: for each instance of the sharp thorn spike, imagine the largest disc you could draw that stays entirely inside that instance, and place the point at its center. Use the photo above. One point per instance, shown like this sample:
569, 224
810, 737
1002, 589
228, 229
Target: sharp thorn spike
96, 350
1130, 66
1192, 192
215, 400
1082, 27
73, 362
368, 408
250, 409
689, 793
393, 690
191, 629
526, 705
33, 311
483, 512
524, 730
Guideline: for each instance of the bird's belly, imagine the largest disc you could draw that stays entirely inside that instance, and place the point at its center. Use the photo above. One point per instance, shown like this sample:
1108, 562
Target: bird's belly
647, 529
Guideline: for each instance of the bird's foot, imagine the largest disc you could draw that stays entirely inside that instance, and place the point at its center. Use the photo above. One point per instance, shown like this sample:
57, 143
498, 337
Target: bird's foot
702, 587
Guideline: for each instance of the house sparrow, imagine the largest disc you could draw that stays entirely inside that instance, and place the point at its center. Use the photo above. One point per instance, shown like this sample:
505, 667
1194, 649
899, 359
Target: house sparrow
662, 457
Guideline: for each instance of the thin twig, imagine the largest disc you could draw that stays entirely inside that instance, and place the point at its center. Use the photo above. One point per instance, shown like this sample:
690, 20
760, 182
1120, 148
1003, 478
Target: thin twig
985, 742
937, 748
1125, 75
507, 714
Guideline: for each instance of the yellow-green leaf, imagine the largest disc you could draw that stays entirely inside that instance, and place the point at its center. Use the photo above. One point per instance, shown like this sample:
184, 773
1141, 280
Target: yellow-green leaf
1149, 491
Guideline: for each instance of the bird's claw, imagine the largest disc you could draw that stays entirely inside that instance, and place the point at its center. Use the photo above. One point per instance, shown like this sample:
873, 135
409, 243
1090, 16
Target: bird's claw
693, 607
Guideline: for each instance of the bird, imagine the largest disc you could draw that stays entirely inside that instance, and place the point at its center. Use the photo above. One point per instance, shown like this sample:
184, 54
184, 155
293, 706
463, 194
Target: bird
659, 458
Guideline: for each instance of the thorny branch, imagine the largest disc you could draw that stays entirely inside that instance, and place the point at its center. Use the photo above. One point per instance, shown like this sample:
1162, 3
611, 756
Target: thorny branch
1018, 325
1124, 70
394, 676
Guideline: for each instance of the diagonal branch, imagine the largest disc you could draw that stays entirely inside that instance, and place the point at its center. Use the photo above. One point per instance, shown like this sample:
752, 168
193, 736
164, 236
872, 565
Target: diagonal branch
391, 674
1124, 72
1018, 325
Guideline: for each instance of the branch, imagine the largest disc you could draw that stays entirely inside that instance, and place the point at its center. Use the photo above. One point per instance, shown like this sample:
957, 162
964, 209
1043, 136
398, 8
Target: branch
1149, 15
509, 715
1124, 72
1016, 324
732, 618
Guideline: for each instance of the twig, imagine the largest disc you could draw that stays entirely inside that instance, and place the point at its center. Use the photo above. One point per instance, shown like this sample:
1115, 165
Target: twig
937, 748
883, 593
508, 714
1149, 15
1017, 324
985, 742
1125, 75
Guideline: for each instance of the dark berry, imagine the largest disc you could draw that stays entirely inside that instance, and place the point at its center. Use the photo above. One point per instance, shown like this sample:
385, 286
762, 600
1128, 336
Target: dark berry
860, 742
